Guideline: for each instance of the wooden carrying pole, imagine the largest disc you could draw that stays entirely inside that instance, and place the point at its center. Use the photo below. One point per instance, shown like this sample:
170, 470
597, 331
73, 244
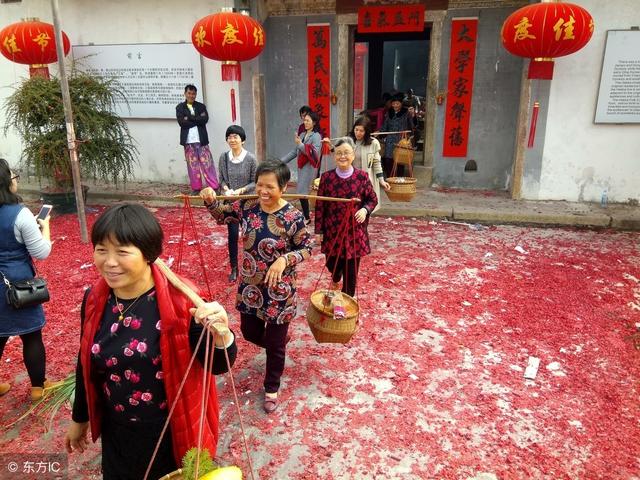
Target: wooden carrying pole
286, 196
188, 292
68, 117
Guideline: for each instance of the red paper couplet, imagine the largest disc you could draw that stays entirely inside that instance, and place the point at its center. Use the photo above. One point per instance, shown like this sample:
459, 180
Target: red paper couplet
464, 35
319, 73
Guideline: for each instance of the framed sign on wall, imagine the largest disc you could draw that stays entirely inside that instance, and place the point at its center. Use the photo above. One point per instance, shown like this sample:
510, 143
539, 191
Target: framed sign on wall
619, 92
152, 76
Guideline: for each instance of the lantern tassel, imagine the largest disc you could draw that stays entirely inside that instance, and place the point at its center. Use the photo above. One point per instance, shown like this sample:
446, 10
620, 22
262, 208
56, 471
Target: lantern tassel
534, 123
541, 69
231, 71
39, 70
233, 105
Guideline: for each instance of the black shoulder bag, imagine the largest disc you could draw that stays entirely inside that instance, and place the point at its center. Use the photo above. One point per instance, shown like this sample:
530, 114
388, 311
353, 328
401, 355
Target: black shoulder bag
26, 293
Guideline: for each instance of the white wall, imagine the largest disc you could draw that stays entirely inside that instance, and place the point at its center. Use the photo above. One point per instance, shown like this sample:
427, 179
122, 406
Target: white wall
580, 158
143, 21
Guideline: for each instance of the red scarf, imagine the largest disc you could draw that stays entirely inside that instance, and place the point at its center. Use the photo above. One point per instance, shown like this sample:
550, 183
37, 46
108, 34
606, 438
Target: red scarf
176, 353
309, 155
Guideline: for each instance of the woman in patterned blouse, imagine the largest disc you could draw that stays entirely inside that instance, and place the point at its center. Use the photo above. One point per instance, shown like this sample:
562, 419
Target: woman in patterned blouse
343, 254
138, 334
275, 241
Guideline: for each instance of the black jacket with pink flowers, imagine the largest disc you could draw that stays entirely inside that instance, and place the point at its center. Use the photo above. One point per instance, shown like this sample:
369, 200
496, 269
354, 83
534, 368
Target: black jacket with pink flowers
153, 347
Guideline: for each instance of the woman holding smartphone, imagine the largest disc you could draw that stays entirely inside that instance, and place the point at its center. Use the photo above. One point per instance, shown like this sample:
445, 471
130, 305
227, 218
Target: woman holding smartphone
22, 238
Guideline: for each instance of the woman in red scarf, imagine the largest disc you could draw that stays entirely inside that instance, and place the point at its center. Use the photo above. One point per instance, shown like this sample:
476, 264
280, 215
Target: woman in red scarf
138, 334
307, 151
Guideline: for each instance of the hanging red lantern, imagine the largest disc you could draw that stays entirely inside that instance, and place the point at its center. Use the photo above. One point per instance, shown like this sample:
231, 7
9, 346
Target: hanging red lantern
33, 43
230, 38
546, 30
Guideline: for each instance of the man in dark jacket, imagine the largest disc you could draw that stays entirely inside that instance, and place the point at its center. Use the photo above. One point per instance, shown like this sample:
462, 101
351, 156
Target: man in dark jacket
192, 117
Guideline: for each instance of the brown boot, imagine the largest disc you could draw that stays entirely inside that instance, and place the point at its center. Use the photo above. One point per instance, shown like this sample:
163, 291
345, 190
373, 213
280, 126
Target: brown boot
4, 388
38, 392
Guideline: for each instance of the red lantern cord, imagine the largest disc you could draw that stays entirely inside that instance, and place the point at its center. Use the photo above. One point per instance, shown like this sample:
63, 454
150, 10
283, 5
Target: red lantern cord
233, 105
39, 71
534, 122
231, 71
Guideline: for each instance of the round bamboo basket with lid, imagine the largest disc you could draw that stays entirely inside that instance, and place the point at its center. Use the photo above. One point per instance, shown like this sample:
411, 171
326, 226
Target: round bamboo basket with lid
326, 328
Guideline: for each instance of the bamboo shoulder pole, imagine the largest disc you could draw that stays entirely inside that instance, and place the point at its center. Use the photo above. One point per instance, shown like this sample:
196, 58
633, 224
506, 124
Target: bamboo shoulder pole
220, 328
373, 134
287, 196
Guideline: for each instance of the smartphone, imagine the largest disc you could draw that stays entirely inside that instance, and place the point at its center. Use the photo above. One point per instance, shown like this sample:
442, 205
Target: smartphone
44, 211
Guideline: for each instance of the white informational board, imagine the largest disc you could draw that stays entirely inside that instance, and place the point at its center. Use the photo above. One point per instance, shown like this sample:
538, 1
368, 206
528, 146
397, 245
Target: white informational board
619, 93
153, 76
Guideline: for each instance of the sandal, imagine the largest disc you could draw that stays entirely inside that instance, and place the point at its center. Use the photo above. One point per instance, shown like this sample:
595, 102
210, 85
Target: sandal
270, 404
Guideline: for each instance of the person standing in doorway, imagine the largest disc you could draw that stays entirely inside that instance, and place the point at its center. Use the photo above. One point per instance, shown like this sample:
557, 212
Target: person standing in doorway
192, 117
396, 120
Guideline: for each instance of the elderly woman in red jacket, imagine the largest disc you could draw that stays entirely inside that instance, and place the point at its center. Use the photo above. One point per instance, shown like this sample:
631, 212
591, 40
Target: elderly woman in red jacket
344, 248
138, 336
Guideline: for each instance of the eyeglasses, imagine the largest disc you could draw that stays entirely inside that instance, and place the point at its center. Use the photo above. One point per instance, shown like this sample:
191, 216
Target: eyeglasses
343, 154
15, 177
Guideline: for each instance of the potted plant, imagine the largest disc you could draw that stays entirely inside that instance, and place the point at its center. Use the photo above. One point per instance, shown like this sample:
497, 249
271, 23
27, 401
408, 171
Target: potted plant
105, 147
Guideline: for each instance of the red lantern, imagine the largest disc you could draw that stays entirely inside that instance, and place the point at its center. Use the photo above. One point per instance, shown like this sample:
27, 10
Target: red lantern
230, 38
546, 30
32, 42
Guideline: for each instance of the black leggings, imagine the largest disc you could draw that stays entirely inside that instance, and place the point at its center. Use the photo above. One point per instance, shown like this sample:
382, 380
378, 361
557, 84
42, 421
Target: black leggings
273, 338
33, 355
304, 203
232, 236
345, 270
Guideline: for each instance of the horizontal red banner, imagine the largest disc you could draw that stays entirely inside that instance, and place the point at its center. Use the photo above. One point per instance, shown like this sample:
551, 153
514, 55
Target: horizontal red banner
391, 18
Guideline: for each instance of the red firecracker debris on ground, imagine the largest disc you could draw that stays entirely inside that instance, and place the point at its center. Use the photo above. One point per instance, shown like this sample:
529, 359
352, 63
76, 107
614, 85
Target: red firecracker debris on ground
433, 385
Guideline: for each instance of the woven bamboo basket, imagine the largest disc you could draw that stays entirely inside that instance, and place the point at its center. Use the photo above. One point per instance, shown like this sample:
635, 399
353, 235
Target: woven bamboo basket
327, 329
403, 189
403, 152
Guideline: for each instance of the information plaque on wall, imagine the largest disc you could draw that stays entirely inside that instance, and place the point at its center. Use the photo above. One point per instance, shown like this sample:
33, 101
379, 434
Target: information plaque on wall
152, 76
619, 93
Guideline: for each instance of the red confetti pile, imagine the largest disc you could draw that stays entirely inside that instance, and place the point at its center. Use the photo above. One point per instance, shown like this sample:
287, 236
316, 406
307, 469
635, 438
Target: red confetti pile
432, 386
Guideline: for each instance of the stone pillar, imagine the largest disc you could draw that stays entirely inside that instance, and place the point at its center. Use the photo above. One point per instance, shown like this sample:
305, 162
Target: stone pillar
259, 117
436, 19
521, 134
345, 76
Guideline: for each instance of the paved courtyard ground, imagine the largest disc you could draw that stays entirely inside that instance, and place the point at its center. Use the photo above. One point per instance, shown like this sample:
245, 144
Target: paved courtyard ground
432, 386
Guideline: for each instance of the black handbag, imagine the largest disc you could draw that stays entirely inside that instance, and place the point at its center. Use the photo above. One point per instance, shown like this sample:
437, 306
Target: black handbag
26, 293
